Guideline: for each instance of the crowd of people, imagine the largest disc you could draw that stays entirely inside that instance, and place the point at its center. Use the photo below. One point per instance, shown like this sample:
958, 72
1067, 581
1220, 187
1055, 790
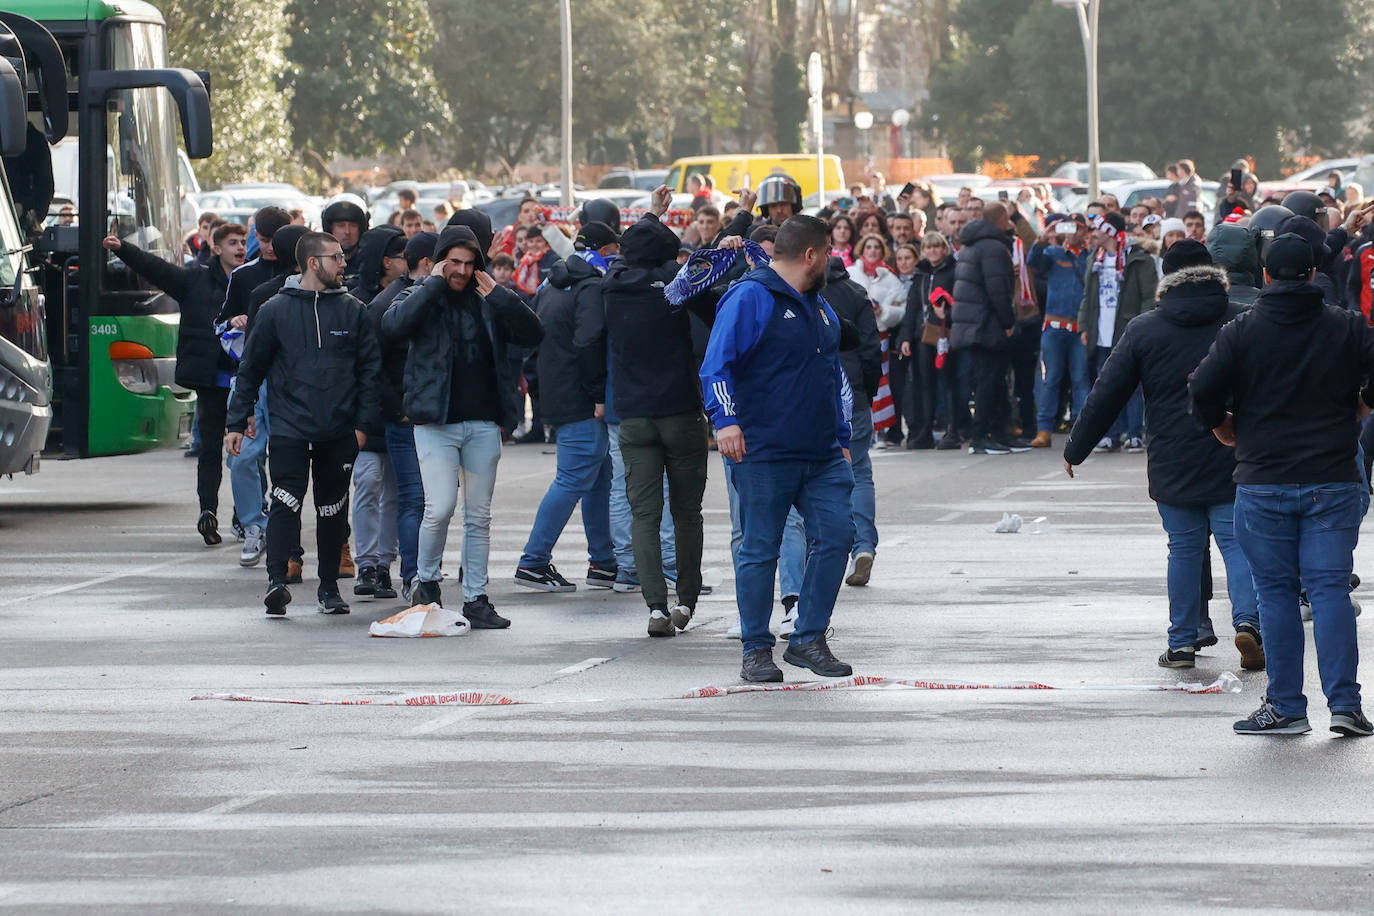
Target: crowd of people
391, 362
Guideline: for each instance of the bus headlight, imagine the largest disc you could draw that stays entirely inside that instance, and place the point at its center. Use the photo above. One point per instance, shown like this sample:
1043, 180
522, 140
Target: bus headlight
134, 367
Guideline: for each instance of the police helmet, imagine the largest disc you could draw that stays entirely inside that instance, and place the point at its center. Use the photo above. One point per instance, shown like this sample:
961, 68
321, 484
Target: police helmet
1304, 203
344, 208
779, 189
600, 211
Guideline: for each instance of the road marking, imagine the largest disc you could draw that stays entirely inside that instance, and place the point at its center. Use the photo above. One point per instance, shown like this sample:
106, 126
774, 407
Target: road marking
139, 571
583, 665
441, 722
951, 516
234, 804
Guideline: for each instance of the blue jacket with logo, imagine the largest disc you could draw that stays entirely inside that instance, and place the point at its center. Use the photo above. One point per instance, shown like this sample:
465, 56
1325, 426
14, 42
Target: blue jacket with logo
1063, 271
772, 367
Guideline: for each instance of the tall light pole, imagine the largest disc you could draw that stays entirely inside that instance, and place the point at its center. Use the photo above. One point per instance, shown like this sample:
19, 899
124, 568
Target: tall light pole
565, 170
863, 120
815, 84
1087, 11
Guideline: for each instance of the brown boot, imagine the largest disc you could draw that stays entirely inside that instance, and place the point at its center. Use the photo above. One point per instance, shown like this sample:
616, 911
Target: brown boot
346, 567
1042, 440
295, 571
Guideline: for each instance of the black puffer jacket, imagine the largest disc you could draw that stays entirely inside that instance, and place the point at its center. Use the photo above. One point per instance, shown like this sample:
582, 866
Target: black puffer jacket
864, 364
919, 310
1159, 349
199, 290
319, 354
422, 315
572, 355
984, 284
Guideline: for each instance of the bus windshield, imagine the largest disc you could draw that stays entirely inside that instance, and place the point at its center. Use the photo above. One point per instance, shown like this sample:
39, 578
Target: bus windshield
142, 132
21, 321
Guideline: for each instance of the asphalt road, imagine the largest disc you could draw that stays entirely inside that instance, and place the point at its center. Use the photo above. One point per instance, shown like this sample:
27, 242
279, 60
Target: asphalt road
605, 792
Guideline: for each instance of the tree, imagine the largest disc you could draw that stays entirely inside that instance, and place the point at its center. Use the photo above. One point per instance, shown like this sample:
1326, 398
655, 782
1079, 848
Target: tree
242, 46
358, 77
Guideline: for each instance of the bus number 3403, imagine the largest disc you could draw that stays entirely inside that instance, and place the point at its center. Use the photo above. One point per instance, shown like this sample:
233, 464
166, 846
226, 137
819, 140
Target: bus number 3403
108, 328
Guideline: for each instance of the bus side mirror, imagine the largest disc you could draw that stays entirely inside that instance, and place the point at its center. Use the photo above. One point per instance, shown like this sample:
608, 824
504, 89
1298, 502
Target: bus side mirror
193, 102
14, 121
44, 55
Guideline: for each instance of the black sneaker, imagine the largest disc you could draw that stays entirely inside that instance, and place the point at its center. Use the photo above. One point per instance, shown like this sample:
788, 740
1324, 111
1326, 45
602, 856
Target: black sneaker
482, 615
758, 667
1351, 723
661, 622
277, 598
987, 447
1016, 444
366, 583
914, 443
1267, 721
1183, 657
208, 526
331, 602
1251, 647
544, 579
597, 577
425, 593
949, 444
816, 655
384, 589
1205, 638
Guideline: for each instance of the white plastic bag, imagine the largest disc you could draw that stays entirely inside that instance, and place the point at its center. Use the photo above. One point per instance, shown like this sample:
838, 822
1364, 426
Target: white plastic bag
422, 620
1010, 524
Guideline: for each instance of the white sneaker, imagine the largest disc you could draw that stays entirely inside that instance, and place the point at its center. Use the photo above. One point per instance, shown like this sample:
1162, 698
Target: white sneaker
252, 547
1106, 445
735, 631
789, 622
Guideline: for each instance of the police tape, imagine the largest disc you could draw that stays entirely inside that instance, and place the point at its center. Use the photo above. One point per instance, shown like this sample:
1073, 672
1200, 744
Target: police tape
1226, 682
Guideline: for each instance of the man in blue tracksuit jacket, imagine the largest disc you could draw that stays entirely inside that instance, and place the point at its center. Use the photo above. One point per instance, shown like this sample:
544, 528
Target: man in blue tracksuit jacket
780, 402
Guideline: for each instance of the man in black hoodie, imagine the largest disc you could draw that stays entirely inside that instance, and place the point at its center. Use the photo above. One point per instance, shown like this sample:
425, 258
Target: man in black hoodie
1282, 384
316, 348
572, 367
658, 400
202, 364
1189, 470
459, 324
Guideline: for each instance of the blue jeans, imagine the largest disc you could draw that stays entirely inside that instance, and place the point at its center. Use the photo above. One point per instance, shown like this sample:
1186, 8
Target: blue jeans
1296, 535
1187, 527
410, 495
444, 448
621, 518
248, 470
792, 554
768, 490
1131, 421
583, 474
1061, 351
864, 503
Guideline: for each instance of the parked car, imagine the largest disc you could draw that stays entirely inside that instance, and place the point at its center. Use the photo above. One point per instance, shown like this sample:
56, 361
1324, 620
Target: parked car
1106, 171
1318, 172
633, 179
1130, 193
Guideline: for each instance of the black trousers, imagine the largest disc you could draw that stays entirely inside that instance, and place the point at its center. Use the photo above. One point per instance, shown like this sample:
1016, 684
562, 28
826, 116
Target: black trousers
1025, 367
292, 463
212, 406
991, 402
898, 379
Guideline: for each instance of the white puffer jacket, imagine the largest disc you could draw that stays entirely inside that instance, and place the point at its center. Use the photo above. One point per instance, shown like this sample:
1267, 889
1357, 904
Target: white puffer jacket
885, 291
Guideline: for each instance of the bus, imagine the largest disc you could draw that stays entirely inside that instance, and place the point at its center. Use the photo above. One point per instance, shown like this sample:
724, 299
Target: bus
111, 337
25, 374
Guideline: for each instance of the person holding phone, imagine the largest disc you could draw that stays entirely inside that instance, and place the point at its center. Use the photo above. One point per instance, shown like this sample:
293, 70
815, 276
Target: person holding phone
1061, 256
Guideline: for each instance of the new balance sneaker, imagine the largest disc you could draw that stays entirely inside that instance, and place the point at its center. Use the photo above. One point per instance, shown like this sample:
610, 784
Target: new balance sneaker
253, 544
681, 615
366, 585
789, 616
482, 614
1183, 657
347, 569
863, 569
1351, 723
543, 579
330, 601
208, 526
1135, 444
384, 590
1267, 721
987, 447
660, 622
597, 577
625, 584
425, 593
277, 598
1251, 647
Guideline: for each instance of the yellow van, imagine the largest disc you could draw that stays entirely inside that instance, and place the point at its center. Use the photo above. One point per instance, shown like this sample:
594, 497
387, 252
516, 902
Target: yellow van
734, 171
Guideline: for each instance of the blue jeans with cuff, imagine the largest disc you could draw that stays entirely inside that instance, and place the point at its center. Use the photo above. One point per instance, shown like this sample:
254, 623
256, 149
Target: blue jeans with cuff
1187, 527
583, 475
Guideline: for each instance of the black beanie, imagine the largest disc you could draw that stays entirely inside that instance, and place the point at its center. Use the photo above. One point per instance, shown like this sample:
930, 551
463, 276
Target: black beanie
421, 246
1186, 253
284, 246
1289, 257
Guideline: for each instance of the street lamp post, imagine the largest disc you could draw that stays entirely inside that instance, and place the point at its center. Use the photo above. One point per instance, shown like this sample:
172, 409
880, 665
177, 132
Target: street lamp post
815, 84
900, 118
863, 120
1087, 11
565, 168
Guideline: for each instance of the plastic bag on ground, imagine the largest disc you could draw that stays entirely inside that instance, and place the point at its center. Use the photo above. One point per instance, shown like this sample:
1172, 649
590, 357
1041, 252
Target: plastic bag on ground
1010, 524
422, 620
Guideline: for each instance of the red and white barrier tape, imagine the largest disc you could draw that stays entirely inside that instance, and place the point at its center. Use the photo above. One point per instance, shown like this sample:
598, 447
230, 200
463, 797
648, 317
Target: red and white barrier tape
1226, 682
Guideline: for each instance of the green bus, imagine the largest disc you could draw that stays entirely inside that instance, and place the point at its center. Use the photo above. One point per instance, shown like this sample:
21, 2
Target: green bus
111, 337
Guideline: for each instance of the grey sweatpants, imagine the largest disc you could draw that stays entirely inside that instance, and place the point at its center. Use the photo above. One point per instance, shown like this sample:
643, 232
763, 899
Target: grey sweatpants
374, 510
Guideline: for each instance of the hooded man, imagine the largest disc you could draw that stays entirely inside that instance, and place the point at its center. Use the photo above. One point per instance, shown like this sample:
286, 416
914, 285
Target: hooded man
1189, 471
1232, 248
381, 259
317, 351
459, 324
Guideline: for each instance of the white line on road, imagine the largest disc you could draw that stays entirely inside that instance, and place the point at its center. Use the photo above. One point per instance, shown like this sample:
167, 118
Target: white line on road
444, 721
583, 665
234, 804
139, 571
951, 516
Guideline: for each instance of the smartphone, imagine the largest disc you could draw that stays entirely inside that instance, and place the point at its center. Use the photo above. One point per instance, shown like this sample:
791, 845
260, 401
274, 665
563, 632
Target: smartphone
907, 189
1237, 178
1066, 228
1002, 195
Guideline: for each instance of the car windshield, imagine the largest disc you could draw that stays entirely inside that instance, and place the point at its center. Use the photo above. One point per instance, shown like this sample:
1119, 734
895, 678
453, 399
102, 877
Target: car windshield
142, 128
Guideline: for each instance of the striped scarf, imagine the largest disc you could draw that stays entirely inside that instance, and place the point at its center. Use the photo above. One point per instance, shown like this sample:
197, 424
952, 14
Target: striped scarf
884, 411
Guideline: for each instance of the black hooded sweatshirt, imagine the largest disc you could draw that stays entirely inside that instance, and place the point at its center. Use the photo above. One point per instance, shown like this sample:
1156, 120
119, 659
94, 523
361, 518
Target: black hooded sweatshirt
1289, 369
284, 243
863, 364
1159, 348
371, 249
572, 355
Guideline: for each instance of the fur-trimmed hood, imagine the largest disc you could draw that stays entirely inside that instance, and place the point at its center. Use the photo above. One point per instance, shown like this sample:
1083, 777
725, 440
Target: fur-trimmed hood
1148, 245
1194, 295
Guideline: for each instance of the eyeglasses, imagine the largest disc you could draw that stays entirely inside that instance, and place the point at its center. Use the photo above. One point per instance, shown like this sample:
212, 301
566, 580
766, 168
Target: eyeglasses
336, 256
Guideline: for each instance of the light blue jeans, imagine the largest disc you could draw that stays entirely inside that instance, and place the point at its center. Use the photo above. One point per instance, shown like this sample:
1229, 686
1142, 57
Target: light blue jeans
583, 475
864, 503
443, 449
792, 553
621, 517
248, 469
